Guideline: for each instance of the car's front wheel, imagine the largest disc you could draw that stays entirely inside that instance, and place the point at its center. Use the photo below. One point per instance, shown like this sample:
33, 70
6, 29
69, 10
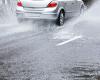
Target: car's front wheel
61, 18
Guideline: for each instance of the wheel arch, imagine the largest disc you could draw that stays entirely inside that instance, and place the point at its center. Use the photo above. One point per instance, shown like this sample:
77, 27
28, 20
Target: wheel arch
61, 9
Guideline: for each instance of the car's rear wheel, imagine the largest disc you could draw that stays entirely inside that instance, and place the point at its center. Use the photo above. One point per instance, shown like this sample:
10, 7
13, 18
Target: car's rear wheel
61, 18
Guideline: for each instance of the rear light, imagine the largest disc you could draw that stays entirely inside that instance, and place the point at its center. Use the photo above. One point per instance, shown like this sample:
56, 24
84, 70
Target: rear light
19, 3
52, 4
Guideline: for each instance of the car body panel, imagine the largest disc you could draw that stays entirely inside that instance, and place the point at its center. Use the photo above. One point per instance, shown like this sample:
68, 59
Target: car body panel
35, 3
37, 9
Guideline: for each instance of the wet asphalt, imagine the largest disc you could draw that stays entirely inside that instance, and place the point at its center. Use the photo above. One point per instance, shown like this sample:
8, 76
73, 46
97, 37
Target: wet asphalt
30, 51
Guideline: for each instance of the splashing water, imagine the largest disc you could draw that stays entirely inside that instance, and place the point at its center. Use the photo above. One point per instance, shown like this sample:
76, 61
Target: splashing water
7, 12
87, 25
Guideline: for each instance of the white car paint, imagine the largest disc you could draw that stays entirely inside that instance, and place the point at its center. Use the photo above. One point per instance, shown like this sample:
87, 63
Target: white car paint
37, 9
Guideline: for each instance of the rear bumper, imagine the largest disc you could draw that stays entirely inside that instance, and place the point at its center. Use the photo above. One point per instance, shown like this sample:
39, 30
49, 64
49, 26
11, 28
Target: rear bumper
39, 16
42, 13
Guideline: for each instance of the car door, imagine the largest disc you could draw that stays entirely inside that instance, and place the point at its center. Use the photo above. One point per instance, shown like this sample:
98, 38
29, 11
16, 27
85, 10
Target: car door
77, 6
74, 7
70, 7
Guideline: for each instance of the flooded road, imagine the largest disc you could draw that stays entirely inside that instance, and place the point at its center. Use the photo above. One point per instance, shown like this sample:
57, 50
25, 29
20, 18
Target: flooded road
40, 50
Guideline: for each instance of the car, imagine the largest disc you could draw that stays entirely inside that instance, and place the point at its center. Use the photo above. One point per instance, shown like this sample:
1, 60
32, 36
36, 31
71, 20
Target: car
56, 10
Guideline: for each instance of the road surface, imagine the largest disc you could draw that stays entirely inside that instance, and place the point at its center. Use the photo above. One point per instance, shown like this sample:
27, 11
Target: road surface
39, 50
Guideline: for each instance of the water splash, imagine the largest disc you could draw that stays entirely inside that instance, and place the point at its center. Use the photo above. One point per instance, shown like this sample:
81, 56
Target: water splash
7, 12
86, 25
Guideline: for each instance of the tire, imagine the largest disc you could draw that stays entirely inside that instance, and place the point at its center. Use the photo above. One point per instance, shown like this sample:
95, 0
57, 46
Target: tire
61, 19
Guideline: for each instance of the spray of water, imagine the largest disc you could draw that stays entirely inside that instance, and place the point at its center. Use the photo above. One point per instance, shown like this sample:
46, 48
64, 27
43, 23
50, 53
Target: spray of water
87, 25
7, 12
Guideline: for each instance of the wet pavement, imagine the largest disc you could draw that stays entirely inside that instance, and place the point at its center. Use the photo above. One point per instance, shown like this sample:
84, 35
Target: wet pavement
40, 50
32, 53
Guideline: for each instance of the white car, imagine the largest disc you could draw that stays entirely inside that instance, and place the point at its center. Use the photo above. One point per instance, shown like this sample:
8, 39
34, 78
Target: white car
56, 10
